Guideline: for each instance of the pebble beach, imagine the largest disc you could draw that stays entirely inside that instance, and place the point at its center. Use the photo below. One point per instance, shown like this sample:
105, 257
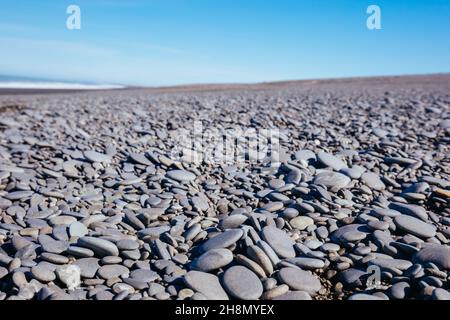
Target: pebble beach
99, 200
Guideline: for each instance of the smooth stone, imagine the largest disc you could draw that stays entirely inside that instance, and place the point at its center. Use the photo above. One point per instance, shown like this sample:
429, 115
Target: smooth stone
305, 155
153, 232
241, 283
294, 295
140, 159
373, 181
88, 267
181, 175
415, 226
354, 172
43, 273
352, 277
261, 258
364, 297
48, 244
101, 247
391, 263
333, 180
233, 221
437, 254
54, 258
400, 290
222, 240
349, 233
213, 259
440, 294
113, 271
279, 241
144, 275
78, 230
80, 252
300, 280
205, 283
127, 244
410, 210
307, 263
330, 160
95, 156
301, 223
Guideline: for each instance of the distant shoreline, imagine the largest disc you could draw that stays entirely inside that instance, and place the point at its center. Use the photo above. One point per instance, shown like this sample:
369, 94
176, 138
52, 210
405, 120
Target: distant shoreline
417, 79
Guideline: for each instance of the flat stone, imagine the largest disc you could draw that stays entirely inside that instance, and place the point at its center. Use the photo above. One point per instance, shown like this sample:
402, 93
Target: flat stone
355, 172
440, 294
373, 181
415, 226
223, 240
213, 259
242, 283
301, 223
400, 290
391, 263
181, 175
140, 158
113, 271
307, 263
300, 280
233, 221
101, 247
364, 297
127, 244
279, 241
95, 156
352, 277
305, 155
77, 230
349, 233
295, 296
330, 160
437, 254
332, 180
88, 267
43, 273
144, 275
409, 209
207, 284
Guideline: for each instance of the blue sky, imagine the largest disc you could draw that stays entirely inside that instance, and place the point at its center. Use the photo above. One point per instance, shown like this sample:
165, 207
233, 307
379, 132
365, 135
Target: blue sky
166, 42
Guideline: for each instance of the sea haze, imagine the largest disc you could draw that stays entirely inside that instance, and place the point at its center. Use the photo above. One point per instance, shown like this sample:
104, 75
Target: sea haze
17, 82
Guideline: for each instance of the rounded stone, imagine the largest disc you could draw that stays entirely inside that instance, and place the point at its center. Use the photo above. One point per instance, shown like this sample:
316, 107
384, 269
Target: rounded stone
223, 240
242, 283
77, 230
213, 259
279, 241
113, 271
301, 223
373, 181
101, 247
332, 180
330, 160
300, 280
43, 273
437, 254
88, 267
181, 175
415, 226
207, 284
